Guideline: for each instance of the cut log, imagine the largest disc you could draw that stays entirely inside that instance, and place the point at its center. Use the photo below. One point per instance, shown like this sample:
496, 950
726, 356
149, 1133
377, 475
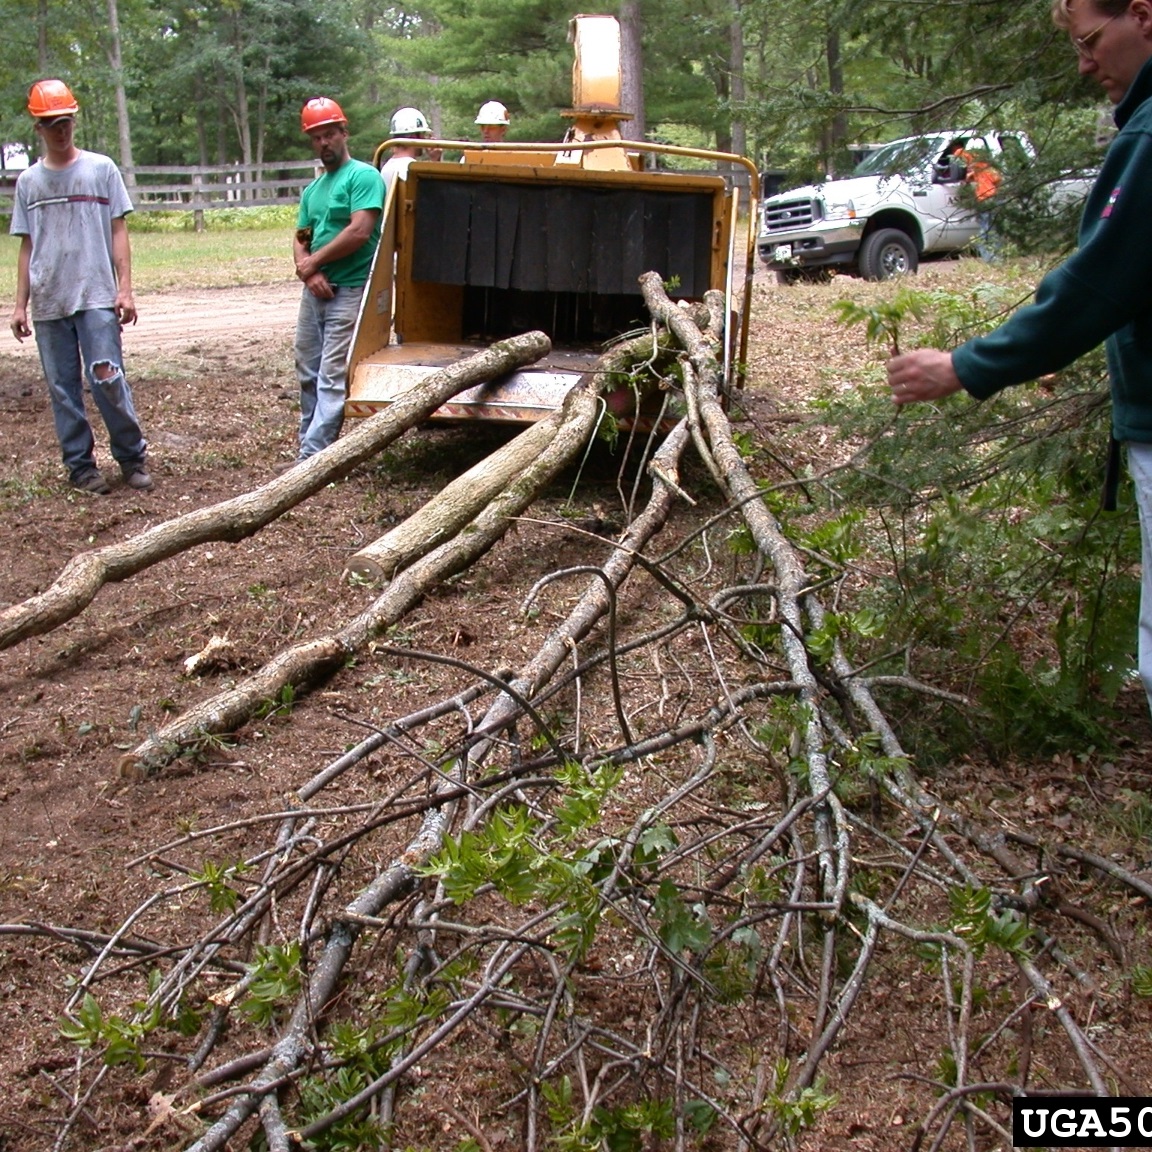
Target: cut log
235, 519
303, 665
454, 505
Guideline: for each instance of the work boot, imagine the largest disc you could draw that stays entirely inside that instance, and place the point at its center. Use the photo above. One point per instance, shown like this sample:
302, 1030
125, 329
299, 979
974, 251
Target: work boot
90, 480
136, 476
286, 465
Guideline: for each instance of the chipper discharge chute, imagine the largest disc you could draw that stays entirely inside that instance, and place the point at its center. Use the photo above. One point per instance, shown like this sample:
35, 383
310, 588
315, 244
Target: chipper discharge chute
545, 236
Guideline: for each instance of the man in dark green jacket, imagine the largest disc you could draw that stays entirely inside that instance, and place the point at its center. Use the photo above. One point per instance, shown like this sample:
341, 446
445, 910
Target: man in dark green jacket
1102, 292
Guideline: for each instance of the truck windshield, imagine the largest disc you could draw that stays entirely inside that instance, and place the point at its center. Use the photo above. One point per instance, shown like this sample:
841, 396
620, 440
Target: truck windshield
899, 156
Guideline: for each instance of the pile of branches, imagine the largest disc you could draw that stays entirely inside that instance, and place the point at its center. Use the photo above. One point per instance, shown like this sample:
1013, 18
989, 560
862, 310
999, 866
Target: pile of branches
630, 891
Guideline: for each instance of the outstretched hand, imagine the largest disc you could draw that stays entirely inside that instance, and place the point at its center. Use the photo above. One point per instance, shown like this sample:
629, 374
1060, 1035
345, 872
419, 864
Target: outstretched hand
925, 374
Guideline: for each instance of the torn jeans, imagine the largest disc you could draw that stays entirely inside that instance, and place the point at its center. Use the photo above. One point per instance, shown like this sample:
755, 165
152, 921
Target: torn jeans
70, 350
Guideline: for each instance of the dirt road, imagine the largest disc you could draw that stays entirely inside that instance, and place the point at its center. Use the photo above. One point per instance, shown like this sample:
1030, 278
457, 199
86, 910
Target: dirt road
202, 321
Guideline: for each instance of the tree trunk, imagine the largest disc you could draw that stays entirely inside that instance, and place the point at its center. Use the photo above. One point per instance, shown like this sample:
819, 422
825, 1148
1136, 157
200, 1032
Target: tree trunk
240, 112
261, 125
632, 66
838, 129
201, 125
243, 130
240, 517
738, 94
42, 35
123, 124
222, 113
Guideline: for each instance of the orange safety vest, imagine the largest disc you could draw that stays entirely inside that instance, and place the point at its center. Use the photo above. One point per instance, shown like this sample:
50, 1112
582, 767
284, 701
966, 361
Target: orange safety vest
981, 174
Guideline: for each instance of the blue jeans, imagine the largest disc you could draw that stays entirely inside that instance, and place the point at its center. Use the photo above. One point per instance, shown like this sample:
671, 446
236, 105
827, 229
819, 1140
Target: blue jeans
987, 243
71, 350
1140, 468
323, 335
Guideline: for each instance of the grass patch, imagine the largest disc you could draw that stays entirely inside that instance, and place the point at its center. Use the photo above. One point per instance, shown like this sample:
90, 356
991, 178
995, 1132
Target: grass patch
220, 257
262, 218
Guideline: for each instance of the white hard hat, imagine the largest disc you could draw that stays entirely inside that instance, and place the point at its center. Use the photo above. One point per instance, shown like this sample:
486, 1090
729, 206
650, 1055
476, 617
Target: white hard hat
408, 122
492, 113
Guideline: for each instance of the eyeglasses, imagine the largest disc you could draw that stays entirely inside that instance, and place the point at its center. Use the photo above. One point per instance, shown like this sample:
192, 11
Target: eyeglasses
1084, 44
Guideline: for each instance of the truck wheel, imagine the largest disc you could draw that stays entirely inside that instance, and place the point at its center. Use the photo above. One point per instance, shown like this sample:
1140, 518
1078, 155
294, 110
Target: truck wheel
887, 252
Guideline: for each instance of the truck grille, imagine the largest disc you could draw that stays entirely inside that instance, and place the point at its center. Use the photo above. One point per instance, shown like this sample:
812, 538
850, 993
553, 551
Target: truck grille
788, 215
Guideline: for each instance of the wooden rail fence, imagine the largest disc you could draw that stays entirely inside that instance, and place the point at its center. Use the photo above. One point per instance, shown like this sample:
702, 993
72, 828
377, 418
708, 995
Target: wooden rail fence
173, 188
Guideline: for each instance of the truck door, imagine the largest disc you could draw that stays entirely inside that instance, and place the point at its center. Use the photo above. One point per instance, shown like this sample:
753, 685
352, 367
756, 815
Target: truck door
960, 224
933, 184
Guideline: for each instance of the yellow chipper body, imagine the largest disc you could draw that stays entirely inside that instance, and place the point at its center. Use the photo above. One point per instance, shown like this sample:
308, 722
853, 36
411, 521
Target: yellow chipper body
553, 237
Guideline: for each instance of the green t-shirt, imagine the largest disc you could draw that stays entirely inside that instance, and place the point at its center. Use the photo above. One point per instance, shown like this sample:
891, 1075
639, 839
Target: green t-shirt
327, 206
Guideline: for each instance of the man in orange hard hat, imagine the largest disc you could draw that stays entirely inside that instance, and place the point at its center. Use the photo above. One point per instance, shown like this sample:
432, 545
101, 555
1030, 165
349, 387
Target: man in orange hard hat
337, 232
74, 281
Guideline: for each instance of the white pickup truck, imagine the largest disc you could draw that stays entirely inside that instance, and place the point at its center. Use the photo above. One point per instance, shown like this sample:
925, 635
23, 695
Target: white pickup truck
899, 204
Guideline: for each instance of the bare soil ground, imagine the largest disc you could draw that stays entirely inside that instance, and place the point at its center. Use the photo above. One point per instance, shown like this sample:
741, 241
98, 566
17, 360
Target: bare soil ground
212, 376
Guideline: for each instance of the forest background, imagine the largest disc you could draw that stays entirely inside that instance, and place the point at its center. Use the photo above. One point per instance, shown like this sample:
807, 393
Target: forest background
789, 83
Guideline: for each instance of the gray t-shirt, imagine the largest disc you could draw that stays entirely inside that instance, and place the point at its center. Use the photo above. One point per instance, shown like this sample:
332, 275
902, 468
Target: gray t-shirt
68, 213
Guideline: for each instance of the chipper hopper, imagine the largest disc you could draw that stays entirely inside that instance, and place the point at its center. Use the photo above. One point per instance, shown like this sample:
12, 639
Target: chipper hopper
518, 237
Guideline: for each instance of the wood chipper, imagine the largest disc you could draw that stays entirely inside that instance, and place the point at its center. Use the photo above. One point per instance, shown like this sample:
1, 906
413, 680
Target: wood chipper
553, 237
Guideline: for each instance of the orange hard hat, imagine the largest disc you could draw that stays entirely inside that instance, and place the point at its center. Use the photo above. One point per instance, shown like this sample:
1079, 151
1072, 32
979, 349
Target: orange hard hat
48, 99
320, 111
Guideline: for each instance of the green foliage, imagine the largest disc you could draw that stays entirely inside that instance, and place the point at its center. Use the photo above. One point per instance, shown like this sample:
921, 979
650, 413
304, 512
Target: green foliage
836, 537
259, 217
118, 1037
222, 896
1142, 981
653, 843
404, 1009
281, 706
761, 883
857, 765
579, 809
795, 1112
524, 860
18, 490
731, 965
321, 1095
1132, 814
882, 320
987, 518
682, 928
837, 626
501, 854
275, 983
974, 920
625, 1128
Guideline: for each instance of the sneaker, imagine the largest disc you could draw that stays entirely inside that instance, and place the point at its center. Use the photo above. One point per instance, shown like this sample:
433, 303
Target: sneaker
90, 480
136, 477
